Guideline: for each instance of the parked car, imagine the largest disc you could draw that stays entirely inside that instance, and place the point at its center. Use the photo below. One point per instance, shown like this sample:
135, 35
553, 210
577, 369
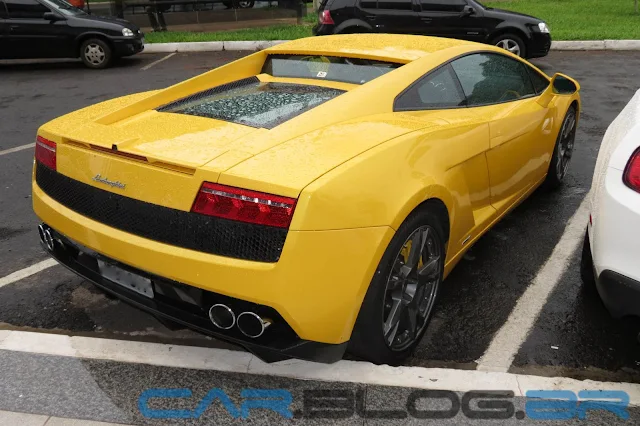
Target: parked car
520, 34
239, 4
611, 251
31, 29
308, 197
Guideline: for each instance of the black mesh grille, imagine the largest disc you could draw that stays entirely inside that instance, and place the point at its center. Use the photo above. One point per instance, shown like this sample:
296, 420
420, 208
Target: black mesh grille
208, 92
183, 229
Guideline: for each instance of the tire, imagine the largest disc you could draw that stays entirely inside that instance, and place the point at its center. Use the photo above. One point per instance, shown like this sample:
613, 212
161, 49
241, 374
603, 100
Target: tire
96, 53
512, 43
368, 340
586, 266
564, 148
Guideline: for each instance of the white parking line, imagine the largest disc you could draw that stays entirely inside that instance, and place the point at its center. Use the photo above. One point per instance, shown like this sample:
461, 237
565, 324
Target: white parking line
507, 341
157, 62
198, 358
17, 148
26, 272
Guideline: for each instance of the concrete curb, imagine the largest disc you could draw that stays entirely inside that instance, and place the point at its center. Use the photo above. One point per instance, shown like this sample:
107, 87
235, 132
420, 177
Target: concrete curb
218, 46
210, 46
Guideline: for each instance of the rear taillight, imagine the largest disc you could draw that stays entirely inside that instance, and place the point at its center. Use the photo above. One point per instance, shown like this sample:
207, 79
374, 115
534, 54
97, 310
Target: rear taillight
631, 175
244, 205
46, 152
325, 18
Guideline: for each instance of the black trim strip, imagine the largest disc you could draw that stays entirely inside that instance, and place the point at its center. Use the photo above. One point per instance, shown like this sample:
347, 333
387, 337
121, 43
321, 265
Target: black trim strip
170, 226
208, 92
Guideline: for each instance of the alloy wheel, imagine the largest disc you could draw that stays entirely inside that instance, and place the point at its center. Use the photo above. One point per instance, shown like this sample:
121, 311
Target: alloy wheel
510, 45
95, 54
411, 289
565, 145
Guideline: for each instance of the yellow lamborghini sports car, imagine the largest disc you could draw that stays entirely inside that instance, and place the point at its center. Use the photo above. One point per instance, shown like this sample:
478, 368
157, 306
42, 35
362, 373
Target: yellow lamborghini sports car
307, 198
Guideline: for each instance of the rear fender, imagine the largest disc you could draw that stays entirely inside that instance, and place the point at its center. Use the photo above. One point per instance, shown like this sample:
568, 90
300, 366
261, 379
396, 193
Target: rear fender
353, 23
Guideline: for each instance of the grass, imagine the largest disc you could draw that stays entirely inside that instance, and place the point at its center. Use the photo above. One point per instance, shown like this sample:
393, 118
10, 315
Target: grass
568, 20
278, 32
580, 19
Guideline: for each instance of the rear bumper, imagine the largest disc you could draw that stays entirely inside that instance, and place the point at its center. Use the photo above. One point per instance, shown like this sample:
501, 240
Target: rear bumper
614, 237
620, 294
317, 285
191, 310
321, 29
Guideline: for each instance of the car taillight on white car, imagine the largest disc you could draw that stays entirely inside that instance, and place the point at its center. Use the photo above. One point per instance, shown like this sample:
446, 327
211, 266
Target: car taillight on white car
325, 18
632, 172
244, 205
46, 152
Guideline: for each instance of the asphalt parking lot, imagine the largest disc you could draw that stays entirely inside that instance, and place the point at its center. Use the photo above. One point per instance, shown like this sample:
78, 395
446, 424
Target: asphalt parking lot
572, 337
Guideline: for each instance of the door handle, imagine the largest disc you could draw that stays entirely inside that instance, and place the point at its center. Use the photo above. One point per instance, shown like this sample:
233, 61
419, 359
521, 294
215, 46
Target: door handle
426, 19
370, 16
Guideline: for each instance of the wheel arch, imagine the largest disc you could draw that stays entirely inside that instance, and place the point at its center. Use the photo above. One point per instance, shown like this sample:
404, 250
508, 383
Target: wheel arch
89, 35
351, 24
436, 197
509, 30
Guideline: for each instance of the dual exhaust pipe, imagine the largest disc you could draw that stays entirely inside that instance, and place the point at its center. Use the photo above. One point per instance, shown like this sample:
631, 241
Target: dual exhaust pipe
249, 323
46, 237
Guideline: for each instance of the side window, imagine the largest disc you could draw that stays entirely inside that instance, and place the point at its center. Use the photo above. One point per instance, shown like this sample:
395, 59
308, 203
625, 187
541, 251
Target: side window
395, 5
442, 5
437, 90
489, 78
3, 11
369, 4
25, 9
540, 83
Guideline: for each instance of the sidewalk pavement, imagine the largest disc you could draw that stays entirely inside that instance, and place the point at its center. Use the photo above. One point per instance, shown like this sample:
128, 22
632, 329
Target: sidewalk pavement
24, 419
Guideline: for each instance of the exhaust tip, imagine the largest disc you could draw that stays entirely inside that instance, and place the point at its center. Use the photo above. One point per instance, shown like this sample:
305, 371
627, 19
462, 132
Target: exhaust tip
252, 325
41, 232
222, 316
46, 237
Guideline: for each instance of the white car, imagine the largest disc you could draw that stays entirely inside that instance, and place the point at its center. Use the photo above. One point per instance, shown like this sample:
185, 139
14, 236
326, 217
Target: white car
611, 253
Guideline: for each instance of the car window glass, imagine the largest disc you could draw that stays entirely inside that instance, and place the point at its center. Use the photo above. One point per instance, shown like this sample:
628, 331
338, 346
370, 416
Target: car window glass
369, 4
320, 67
540, 83
395, 4
3, 11
25, 9
442, 5
437, 90
488, 78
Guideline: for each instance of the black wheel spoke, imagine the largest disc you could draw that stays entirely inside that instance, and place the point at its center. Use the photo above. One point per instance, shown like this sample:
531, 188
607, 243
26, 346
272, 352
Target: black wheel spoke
430, 270
411, 288
417, 247
390, 327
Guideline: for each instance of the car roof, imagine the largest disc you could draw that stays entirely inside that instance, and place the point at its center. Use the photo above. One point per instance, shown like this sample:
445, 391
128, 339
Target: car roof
388, 47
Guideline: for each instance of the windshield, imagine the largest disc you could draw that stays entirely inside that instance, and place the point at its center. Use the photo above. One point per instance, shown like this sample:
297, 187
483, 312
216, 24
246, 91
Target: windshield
255, 104
334, 68
64, 7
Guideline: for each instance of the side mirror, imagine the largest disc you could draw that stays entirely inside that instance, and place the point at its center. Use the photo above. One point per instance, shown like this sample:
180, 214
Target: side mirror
50, 16
560, 85
468, 11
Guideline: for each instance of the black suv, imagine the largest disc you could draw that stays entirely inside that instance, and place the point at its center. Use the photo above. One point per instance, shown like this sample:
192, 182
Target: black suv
522, 35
